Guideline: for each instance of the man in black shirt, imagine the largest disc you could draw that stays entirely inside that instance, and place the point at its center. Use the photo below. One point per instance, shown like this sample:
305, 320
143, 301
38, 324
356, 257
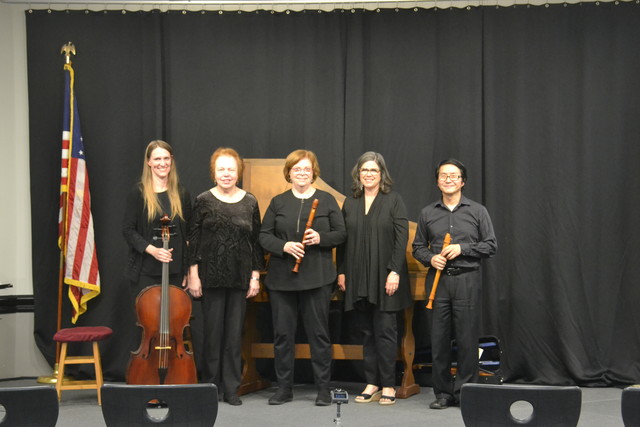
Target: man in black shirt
457, 303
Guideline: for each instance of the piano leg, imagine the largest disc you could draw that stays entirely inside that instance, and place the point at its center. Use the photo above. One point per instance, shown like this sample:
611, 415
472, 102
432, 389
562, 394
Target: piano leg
251, 379
408, 387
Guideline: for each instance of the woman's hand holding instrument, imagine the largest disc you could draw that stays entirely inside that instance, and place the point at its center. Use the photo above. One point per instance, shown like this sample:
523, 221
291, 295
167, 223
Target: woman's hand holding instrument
312, 216
163, 313
434, 287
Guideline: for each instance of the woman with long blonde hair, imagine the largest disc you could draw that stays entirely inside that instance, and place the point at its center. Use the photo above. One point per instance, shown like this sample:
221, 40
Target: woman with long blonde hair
158, 193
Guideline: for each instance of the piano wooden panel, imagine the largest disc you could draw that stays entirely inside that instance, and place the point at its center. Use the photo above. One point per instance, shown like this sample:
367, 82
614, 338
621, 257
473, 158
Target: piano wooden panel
264, 178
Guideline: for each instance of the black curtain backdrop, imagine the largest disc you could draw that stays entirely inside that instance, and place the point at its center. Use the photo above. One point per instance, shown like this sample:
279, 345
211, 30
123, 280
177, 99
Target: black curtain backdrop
540, 103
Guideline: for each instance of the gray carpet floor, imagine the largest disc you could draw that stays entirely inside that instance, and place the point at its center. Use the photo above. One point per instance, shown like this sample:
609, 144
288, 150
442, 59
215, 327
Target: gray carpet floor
600, 408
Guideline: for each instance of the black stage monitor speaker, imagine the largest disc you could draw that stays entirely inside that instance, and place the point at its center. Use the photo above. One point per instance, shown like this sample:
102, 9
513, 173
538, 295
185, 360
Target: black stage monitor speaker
631, 406
28, 406
488, 405
193, 405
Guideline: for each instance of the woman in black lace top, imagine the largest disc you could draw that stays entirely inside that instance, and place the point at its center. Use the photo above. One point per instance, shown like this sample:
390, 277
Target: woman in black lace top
226, 260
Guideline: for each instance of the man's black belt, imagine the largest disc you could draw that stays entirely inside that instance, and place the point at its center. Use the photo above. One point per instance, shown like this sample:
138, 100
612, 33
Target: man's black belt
455, 271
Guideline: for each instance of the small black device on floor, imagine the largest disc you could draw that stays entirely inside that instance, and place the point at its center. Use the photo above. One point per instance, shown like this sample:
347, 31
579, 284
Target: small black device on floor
339, 396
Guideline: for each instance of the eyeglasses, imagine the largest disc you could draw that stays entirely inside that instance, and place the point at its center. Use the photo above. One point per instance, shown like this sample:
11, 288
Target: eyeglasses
301, 170
452, 176
369, 171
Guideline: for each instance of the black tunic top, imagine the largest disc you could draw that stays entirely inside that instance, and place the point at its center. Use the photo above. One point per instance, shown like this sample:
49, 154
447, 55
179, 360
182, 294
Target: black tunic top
285, 221
139, 233
223, 241
376, 245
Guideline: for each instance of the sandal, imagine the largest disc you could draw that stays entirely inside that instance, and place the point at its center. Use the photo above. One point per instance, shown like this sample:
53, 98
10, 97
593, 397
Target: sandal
390, 400
366, 398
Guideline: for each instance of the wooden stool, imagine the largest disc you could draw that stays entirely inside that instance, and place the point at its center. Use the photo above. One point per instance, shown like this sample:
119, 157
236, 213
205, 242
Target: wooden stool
91, 334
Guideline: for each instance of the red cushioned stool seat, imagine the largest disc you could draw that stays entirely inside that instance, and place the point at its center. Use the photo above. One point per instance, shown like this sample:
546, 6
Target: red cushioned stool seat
92, 334
83, 334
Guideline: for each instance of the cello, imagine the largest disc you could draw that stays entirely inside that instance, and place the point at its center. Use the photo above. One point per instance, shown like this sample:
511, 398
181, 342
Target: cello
163, 314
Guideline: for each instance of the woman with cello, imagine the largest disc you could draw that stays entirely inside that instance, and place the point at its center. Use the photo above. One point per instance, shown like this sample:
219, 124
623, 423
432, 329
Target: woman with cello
151, 261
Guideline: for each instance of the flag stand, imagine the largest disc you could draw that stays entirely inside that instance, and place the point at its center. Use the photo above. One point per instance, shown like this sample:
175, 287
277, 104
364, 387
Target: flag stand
53, 378
67, 50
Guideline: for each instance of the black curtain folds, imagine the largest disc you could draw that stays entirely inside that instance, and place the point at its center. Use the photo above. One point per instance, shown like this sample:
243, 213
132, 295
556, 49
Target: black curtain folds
540, 103
561, 136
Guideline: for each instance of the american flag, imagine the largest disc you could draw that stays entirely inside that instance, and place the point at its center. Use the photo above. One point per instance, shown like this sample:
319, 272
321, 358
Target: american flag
75, 228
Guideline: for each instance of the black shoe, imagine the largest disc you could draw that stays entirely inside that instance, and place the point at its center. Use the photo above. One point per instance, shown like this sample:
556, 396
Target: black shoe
232, 399
441, 403
281, 396
323, 398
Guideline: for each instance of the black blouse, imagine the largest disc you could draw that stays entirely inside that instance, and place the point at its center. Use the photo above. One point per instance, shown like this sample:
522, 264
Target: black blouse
150, 265
285, 221
223, 241
139, 233
376, 245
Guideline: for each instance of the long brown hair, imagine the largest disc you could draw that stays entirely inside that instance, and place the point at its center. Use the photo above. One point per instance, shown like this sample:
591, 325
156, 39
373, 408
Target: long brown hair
151, 201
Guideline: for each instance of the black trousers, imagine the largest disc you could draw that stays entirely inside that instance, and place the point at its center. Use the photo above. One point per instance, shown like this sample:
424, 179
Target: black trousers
380, 343
313, 305
456, 315
223, 311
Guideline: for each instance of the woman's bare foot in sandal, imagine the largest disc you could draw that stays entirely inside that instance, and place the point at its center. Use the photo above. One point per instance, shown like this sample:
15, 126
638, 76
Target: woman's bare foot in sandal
388, 396
370, 389
370, 393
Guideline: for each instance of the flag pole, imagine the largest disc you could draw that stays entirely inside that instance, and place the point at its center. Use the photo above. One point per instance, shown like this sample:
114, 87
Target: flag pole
67, 49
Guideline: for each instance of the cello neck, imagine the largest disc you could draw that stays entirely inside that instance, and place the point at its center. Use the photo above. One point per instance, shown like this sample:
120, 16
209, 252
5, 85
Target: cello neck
164, 304
164, 327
